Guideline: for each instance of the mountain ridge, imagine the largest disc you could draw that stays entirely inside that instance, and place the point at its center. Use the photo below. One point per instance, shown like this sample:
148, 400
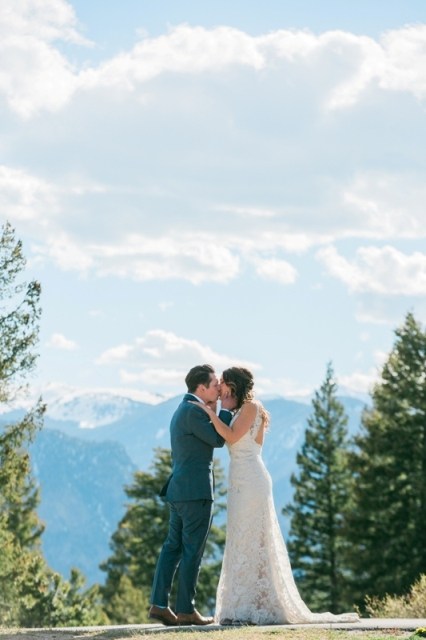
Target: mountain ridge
82, 471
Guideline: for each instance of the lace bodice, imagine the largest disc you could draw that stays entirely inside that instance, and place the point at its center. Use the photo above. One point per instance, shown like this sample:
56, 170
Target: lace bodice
247, 445
256, 584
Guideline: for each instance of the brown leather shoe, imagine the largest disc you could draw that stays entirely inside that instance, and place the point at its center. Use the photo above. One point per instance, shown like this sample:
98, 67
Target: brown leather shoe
193, 618
164, 615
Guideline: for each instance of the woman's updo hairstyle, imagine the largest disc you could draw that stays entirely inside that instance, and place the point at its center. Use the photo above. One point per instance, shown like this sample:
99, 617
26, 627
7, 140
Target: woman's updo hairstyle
241, 382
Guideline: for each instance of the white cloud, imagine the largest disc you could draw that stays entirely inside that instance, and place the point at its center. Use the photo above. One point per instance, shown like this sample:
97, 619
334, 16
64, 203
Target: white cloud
64, 252
386, 205
373, 316
193, 257
119, 353
184, 49
162, 357
405, 68
278, 270
365, 56
158, 344
35, 75
198, 50
190, 50
358, 382
48, 19
361, 382
25, 197
382, 270
375, 205
59, 341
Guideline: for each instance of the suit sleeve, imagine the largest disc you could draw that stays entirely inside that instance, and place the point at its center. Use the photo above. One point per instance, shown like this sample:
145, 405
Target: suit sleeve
225, 416
204, 429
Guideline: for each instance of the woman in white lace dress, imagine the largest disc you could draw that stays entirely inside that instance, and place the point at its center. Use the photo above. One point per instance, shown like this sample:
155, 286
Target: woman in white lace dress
256, 584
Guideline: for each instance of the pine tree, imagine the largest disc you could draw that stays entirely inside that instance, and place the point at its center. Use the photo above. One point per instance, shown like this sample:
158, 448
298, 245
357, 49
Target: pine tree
19, 316
30, 593
137, 542
387, 525
320, 497
20, 528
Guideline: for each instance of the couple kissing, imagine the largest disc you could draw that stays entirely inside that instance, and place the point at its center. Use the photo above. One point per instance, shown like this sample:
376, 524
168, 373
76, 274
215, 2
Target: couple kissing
256, 584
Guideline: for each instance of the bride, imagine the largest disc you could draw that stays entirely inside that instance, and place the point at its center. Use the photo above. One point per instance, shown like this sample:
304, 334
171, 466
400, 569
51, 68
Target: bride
256, 584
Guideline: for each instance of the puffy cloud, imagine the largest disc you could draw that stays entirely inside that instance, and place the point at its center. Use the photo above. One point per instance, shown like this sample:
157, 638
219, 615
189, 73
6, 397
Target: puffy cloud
49, 20
59, 341
358, 382
373, 205
24, 196
382, 270
184, 49
231, 233
162, 357
193, 257
157, 345
278, 270
35, 75
405, 68
190, 50
362, 382
386, 205
64, 252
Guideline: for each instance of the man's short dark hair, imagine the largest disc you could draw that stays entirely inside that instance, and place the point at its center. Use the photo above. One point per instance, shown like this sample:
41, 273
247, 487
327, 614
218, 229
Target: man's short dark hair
198, 375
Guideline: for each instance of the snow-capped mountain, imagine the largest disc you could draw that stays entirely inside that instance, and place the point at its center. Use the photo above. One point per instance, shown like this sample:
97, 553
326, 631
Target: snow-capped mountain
91, 410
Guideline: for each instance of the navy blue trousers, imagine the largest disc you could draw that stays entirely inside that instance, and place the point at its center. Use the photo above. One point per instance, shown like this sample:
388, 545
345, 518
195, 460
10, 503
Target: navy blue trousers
182, 550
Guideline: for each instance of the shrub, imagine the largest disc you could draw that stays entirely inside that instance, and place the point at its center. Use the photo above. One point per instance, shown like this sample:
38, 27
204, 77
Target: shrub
411, 605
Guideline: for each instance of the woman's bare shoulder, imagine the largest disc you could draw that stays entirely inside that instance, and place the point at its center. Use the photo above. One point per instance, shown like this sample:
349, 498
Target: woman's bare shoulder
250, 406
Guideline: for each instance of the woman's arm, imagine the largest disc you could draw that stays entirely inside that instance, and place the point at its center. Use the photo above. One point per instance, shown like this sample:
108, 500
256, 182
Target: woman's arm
239, 428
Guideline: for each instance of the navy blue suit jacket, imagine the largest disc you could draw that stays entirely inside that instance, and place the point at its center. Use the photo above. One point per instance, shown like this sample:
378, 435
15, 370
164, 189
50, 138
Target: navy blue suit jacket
193, 440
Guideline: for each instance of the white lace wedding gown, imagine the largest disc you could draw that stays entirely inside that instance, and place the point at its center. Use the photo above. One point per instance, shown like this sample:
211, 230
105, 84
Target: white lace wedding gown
256, 584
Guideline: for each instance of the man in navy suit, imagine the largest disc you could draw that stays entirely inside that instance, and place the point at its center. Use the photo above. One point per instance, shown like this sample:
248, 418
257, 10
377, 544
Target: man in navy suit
190, 494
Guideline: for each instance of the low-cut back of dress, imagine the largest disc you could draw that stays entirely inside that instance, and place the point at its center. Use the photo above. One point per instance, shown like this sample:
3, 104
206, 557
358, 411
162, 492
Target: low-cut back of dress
256, 584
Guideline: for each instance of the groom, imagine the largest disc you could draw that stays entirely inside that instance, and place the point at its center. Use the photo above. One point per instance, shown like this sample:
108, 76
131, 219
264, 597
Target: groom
190, 493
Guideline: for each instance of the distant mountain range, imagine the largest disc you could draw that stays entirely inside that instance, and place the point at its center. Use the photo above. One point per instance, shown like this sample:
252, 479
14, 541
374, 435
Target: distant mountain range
93, 443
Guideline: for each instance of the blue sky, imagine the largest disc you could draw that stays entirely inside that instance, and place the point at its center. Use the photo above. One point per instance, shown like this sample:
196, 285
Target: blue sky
224, 182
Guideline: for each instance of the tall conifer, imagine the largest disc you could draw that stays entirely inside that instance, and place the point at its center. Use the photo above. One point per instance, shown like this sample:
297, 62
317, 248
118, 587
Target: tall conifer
320, 497
20, 527
31, 594
387, 524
